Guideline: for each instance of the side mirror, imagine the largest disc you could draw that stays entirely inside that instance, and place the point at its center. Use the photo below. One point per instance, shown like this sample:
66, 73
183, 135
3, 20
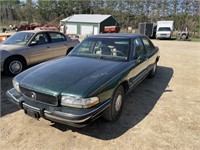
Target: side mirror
141, 58
157, 48
33, 43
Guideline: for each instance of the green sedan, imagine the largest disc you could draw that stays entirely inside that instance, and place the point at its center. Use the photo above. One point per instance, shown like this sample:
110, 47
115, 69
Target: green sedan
90, 82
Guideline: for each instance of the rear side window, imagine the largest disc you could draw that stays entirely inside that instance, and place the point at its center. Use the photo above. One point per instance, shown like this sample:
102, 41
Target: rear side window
139, 49
57, 37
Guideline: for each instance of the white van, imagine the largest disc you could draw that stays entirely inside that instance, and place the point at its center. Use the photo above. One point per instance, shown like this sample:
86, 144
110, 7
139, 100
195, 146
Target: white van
164, 29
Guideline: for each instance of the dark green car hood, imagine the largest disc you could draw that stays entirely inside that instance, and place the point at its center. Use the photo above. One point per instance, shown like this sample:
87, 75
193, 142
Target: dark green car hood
70, 75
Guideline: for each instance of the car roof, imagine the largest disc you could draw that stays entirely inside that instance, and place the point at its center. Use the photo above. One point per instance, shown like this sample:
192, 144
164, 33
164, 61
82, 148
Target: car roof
114, 35
38, 31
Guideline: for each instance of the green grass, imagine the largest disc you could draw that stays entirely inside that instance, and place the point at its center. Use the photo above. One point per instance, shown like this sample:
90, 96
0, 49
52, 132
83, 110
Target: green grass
3, 26
195, 39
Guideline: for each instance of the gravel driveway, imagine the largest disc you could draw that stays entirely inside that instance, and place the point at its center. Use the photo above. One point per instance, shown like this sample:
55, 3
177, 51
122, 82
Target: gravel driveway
161, 113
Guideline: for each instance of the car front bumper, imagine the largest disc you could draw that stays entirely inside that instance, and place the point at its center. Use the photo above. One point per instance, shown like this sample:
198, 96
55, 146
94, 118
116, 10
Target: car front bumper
163, 35
74, 120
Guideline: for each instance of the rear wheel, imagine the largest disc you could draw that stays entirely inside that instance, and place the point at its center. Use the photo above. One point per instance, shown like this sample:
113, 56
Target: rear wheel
14, 66
113, 112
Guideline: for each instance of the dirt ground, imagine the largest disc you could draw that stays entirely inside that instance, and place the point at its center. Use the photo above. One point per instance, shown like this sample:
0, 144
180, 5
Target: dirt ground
161, 113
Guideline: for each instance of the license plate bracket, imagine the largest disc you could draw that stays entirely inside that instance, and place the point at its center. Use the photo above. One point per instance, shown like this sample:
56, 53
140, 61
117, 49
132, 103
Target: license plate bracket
32, 113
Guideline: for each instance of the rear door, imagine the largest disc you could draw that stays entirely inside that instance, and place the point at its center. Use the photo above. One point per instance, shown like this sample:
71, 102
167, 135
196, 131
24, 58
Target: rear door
59, 44
40, 51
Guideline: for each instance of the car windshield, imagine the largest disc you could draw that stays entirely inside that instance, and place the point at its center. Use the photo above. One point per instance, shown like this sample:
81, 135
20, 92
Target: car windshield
103, 48
19, 38
164, 29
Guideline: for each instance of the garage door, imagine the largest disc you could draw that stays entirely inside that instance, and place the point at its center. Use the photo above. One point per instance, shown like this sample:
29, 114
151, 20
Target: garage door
86, 30
71, 29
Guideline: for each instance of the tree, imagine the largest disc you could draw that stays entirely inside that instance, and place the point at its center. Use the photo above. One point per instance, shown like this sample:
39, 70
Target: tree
185, 13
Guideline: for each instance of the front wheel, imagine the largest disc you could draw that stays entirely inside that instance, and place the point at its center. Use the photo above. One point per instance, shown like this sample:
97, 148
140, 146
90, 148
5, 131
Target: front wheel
113, 112
14, 66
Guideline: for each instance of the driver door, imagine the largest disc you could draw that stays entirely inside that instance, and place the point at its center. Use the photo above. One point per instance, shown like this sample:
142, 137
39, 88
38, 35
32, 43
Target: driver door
41, 50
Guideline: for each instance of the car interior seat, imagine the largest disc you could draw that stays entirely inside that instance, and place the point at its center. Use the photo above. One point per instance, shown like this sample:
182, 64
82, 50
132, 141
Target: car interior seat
41, 40
105, 50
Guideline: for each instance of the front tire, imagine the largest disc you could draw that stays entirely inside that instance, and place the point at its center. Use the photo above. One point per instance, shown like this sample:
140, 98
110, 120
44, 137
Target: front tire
14, 66
113, 112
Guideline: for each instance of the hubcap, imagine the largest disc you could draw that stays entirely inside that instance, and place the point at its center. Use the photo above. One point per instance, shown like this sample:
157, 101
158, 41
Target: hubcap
118, 103
15, 67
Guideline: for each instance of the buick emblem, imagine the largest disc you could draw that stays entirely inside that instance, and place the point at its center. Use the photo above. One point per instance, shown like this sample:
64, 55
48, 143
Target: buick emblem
33, 95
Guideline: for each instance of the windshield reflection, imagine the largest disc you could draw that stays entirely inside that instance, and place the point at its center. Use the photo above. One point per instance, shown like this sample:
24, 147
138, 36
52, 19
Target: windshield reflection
103, 48
19, 38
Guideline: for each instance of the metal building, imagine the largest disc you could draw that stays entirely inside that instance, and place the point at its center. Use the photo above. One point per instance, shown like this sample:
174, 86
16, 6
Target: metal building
87, 24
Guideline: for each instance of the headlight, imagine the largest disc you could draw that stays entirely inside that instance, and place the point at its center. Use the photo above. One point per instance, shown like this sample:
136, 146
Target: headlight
73, 101
16, 85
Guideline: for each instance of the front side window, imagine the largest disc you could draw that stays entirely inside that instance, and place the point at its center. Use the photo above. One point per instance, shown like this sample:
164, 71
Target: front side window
41, 38
57, 37
104, 48
19, 38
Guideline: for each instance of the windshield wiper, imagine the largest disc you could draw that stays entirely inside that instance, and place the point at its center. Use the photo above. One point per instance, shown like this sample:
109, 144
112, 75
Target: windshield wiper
105, 57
